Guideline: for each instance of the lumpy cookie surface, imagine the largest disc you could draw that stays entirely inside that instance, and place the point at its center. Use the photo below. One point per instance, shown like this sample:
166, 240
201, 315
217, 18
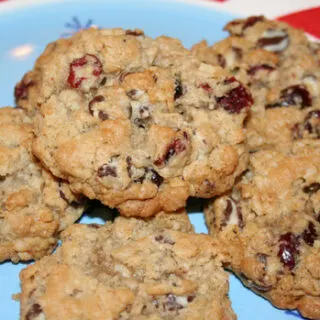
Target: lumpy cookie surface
270, 227
139, 124
131, 269
35, 207
281, 67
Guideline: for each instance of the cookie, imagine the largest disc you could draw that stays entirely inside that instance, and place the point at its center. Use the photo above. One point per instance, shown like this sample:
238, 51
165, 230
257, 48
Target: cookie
131, 269
281, 67
137, 123
35, 206
269, 225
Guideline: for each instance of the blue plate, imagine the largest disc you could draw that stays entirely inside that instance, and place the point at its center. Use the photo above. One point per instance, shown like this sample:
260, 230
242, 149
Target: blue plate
26, 28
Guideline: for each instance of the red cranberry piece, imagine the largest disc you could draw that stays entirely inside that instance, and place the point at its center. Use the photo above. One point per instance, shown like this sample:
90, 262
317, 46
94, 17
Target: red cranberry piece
21, 90
296, 95
288, 249
77, 77
178, 90
107, 170
206, 87
177, 146
236, 99
253, 70
310, 234
34, 312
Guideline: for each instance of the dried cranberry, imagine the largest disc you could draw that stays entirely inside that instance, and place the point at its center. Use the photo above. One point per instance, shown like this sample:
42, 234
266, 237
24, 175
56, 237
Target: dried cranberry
156, 178
107, 170
162, 239
178, 90
236, 99
312, 188
253, 70
251, 21
288, 249
21, 90
174, 148
75, 78
310, 234
206, 87
34, 312
296, 95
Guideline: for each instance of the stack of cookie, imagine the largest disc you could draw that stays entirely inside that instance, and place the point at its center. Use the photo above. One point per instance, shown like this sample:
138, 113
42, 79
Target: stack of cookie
142, 125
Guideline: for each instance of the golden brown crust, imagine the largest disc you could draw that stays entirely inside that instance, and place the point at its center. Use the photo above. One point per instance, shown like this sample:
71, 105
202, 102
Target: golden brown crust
137, 123
131, 269
35, 207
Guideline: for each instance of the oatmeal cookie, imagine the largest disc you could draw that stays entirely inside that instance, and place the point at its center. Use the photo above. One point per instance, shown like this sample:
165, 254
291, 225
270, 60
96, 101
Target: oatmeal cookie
137, 123
35, 207
129, 269
269, 224
281, 67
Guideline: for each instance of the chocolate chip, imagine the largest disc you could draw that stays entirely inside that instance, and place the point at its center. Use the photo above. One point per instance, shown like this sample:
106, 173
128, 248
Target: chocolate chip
310, 234
94, 225
232, 214
135, 32
253, 70
190, 298
178, 90
162, 239
95, 100
296, 95
221, 60
238, 52
156, 178
312, 188
107, 170
103, 116
251, 21
33, 312
274, 40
